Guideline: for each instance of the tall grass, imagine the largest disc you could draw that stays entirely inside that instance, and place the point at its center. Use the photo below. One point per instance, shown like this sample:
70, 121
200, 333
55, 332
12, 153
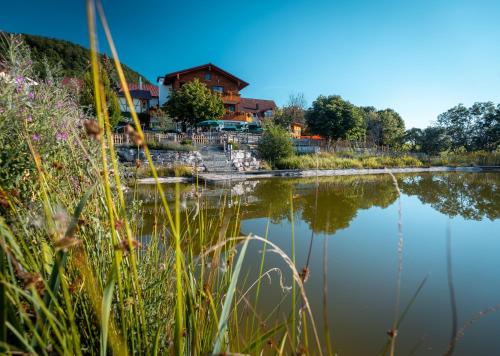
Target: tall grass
478, 158
333, 161
78, 275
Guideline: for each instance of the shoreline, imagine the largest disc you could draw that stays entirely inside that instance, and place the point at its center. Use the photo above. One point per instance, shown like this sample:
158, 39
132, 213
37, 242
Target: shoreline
222, 177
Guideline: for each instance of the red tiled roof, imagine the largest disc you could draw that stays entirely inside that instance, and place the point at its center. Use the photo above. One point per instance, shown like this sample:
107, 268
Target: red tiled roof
153, 89
170, 76
256, 105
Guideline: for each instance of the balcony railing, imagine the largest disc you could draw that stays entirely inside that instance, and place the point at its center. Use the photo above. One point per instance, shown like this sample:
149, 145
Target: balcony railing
238, 116
231, 98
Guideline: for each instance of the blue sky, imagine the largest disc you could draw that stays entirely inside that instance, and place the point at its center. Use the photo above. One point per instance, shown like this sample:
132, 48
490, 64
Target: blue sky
417, 57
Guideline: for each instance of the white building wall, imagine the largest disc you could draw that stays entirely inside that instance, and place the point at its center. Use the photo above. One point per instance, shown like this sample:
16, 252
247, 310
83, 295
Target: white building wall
124, 106
164, 92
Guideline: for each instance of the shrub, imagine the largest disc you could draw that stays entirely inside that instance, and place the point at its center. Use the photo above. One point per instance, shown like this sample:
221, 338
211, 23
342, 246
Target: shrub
275, 144
39, 117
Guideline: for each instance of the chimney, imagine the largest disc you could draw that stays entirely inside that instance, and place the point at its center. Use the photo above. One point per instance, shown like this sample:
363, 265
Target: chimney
140, 83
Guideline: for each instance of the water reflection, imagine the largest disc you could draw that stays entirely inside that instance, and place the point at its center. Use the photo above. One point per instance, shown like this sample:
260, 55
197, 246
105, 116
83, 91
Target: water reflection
357, 219
469, 195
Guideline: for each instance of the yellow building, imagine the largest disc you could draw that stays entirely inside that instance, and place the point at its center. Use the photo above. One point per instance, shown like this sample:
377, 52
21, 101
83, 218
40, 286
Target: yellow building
296, 128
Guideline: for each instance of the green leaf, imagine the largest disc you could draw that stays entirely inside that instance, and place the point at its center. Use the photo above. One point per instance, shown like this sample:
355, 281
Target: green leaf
107, 298
226, 308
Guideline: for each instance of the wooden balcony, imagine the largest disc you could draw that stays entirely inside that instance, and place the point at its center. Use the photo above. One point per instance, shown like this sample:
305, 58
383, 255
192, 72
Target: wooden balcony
237, 116
231, 98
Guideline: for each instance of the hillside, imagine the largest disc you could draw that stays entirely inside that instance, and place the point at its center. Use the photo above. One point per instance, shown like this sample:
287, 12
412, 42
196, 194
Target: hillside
72, 58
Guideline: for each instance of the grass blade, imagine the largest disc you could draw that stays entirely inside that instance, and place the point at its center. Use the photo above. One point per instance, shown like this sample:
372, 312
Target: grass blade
107, 298
229, 299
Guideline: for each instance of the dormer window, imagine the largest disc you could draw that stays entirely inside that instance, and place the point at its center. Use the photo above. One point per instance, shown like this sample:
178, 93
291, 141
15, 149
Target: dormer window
208, 77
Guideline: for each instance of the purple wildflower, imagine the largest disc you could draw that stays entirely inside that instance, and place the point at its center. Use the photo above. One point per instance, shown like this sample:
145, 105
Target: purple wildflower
31, 95
59, 104
29, 118
35, 137
61, 136
19, 79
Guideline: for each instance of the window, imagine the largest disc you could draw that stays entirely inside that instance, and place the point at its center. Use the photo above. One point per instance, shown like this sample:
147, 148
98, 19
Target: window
231, 108
208, 77
218, 89
268, 113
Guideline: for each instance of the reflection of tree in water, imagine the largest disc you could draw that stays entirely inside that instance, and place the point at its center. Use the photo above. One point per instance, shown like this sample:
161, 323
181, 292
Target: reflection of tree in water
339, 198
273, 199
470, 195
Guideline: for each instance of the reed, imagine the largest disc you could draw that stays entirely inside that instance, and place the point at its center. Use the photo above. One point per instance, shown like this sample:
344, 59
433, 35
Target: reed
78, 274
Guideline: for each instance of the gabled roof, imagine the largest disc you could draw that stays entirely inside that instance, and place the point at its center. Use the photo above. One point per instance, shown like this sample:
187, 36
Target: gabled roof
256, 105
138, 94
151, 88
170, 76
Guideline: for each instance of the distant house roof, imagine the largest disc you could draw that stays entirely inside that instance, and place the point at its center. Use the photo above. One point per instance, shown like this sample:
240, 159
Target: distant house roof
138, 94
151, 88
256, 105
211, 67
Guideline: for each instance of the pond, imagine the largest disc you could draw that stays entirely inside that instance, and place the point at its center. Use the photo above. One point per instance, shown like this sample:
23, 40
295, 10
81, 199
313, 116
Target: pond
356, 238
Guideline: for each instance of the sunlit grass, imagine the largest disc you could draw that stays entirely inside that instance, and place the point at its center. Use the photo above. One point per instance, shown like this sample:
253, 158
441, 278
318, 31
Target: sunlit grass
334, 161
78, 274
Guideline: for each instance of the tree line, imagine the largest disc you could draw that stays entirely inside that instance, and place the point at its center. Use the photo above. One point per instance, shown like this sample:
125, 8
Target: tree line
459, 129
335, 118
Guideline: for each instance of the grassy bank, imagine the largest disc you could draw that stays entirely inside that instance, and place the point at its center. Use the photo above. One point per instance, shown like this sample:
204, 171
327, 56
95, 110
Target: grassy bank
479, 158
333, 161
347, 161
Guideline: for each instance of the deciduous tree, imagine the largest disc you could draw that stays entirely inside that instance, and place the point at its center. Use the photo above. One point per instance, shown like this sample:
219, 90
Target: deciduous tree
193, 103
293, 111
334, 118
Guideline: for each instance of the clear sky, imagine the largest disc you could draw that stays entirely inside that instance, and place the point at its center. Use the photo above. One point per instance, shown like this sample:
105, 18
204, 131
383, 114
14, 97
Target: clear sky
418, 57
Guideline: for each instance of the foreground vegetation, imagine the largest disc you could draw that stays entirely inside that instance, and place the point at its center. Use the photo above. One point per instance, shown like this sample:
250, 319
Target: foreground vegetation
78, 277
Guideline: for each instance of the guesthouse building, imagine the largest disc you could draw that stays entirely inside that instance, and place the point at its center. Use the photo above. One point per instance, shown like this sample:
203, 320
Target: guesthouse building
226, 84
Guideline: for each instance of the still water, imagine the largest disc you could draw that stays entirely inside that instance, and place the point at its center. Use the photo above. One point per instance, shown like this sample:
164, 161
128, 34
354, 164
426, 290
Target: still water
349, 227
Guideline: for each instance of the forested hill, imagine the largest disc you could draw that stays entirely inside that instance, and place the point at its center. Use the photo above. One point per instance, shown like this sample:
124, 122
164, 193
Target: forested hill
72, 58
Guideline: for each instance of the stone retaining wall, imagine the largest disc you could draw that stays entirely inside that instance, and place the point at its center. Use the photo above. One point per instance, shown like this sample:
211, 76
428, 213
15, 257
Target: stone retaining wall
243, 160
163, 158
